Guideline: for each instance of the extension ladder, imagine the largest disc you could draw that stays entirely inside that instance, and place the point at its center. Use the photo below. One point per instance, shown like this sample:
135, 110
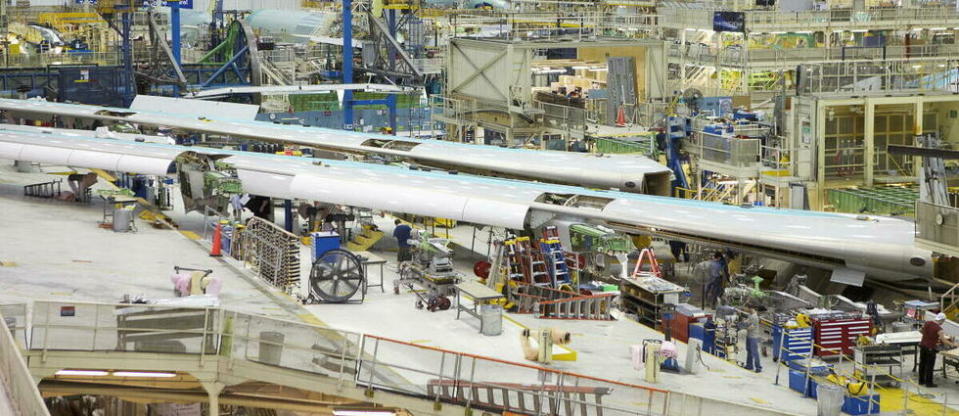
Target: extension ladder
552, 303
524, 399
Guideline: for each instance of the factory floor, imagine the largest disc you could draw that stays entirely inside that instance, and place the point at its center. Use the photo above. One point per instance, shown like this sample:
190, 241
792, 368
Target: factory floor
55, 251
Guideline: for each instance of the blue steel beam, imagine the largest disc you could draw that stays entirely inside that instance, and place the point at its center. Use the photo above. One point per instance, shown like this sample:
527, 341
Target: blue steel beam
225, 66
348, 63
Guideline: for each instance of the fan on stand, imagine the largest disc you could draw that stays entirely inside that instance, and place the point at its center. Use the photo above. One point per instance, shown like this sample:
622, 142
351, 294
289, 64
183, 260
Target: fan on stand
336, 276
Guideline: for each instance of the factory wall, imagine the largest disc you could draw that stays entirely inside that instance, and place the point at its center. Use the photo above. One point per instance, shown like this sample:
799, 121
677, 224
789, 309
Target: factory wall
948, 119
637, 52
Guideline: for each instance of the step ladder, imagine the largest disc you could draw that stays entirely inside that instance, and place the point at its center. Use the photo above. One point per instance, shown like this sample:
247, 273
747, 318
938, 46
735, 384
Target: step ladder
516, 268
647, 256
552, 249
538, 273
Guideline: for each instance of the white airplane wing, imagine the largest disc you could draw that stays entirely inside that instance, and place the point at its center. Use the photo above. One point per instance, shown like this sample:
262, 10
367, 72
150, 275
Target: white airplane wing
881, 247
297, 89
632, 173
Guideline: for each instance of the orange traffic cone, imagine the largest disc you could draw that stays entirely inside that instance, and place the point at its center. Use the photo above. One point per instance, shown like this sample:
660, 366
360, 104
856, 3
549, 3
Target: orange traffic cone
621, 117
217, 237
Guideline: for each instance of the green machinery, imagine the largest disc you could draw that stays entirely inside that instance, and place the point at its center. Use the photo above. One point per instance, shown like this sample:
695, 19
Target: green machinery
206, 182
600, 252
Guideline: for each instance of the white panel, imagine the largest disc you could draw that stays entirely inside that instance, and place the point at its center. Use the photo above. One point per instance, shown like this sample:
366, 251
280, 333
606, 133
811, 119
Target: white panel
90, 159
193, 108
389, 196
144, 165
487, 211
44, 154
266, 184
10, 150
848, 276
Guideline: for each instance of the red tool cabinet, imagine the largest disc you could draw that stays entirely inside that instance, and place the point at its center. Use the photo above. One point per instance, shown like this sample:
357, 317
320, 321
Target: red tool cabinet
838, 333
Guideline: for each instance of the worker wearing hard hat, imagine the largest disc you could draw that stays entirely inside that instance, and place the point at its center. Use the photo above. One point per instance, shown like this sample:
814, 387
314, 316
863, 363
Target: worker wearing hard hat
932, 337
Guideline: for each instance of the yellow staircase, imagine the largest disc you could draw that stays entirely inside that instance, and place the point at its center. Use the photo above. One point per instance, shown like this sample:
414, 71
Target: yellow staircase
949, 303
364, 240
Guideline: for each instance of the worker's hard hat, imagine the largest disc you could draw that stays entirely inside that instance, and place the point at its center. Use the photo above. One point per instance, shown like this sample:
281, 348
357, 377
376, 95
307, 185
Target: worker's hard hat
940, 316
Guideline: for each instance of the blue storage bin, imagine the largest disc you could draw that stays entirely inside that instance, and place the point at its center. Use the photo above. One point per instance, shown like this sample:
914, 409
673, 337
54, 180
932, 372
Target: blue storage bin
699, 331
797, 382
859, 405
226, 238
324, 241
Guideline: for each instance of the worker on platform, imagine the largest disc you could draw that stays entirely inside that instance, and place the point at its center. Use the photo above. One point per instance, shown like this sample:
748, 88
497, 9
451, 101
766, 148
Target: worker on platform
715, 276
932, 337
402, 233
753, 335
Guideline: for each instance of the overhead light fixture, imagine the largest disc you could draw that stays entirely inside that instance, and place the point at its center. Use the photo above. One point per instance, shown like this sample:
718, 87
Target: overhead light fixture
142, 374
580, 67
860, 31
354, 412
804, 32
82, 373
938, 28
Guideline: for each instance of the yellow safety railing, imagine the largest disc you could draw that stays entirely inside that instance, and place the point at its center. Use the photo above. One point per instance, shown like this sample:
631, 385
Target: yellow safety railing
703, 194
873, 386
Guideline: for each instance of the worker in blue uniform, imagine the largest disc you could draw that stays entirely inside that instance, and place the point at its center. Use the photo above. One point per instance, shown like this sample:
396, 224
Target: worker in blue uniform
753, 336
715, 276
402, 234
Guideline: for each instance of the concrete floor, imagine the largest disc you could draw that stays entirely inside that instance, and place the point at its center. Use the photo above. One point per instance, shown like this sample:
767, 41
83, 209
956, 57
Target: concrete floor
61, 254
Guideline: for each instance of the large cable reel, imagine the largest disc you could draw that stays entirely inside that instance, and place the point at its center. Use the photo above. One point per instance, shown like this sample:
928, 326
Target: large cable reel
336, 276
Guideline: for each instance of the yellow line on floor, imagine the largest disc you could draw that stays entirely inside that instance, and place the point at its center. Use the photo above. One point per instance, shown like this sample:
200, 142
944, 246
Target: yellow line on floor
310, 319
190, 234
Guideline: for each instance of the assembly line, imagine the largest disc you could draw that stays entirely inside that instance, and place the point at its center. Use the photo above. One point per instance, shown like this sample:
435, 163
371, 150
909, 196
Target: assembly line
817, 239
447, 208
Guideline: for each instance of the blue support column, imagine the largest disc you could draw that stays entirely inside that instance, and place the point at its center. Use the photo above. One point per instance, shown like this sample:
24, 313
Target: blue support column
391, 25
175, 37
175, 29
391, 105
348, 63
127, 50
288, 215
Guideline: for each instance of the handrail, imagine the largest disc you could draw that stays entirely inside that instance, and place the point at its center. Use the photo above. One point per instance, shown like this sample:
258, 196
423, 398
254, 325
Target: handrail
22, 393
953, 294
364, 361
